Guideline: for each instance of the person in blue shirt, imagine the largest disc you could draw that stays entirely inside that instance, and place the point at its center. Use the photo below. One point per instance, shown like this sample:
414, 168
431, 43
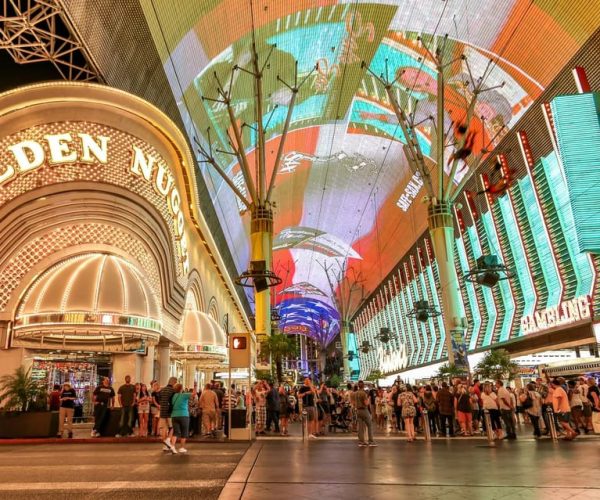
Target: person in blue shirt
180, 416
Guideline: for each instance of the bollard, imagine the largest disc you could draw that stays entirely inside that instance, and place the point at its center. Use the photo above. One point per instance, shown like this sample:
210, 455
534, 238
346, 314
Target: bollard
304, 426
488, 427
426, 426
552, 424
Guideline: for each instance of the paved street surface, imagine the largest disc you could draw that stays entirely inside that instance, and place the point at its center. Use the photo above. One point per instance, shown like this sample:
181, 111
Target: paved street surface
445, 470
331, 467
116, 471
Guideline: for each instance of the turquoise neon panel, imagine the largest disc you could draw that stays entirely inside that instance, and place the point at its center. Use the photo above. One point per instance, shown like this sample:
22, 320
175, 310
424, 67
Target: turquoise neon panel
577, 123
542, 244
430, 328
440, 319
352, 345
560, 194
503, 285
525, 282
461, 255
488, 297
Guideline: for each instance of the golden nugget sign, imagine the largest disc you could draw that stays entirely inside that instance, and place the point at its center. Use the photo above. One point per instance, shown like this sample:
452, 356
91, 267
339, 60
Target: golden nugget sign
66, 148
572, 311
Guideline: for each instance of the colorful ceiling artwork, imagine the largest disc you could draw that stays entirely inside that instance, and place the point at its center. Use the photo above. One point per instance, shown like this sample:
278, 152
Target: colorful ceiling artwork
345, 198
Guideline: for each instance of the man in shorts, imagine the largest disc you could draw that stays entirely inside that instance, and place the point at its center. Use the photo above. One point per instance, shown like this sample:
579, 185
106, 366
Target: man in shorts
308, 394
164, 423
562, 409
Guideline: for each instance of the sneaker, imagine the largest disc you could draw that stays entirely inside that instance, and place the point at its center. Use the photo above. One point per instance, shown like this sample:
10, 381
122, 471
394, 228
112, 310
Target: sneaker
174, 451
166, 448
182, 450
117, 435
363, 445
313, 436
168, 444
372, 445
94, 433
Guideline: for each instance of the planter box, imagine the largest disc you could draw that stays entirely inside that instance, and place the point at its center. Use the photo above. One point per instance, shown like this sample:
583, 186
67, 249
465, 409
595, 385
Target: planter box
36, 424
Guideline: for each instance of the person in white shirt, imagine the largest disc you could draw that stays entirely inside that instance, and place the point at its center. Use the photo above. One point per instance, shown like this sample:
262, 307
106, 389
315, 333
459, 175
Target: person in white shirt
490, 403
506, 408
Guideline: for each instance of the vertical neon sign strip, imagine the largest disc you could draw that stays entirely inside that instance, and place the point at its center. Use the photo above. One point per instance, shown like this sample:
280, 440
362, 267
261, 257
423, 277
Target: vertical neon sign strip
584, 269
430, 322
529, 164
420, 326
470, 289
433, 282
488, 298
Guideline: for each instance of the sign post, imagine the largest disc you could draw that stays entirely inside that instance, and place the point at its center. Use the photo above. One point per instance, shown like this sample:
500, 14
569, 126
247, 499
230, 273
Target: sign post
240, 356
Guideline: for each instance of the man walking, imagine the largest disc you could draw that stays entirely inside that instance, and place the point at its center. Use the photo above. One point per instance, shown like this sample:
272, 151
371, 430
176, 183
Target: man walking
104, 400
126, 394
506, 410
365, 423
165, 423
273, 408
209, 404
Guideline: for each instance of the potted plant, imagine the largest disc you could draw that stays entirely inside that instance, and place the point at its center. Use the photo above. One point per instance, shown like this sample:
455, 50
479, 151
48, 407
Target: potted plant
24, 412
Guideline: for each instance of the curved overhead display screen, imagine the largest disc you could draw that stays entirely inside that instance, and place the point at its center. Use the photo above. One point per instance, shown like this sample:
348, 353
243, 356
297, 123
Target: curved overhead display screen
345, 198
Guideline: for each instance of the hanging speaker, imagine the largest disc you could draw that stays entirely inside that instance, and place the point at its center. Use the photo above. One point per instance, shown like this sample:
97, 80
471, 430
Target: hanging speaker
260, 284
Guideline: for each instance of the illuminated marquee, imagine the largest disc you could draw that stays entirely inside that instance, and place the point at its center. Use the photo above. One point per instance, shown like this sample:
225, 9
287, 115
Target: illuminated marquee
572, 311
392, 361
62, 149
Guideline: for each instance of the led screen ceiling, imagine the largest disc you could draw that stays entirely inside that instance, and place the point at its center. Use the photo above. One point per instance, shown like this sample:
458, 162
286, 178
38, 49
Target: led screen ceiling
346, 198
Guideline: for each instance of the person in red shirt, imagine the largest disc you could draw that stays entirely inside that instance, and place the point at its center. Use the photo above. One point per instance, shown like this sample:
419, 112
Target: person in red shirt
54, 398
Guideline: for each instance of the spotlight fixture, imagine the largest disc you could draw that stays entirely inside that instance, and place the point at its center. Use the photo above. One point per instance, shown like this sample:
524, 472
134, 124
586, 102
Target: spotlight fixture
258, 276
423, 311
350, 356
365, 347
384, 335
489, 271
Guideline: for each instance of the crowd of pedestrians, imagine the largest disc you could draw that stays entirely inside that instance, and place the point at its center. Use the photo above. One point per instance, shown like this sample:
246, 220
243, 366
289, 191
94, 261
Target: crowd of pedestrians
450, 409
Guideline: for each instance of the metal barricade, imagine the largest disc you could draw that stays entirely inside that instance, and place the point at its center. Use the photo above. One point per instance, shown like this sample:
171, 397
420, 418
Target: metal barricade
552, 424
488, 427
426, 425
304, 425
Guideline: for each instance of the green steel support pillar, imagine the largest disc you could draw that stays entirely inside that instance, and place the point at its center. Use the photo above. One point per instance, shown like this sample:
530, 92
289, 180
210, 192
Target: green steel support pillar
441, 229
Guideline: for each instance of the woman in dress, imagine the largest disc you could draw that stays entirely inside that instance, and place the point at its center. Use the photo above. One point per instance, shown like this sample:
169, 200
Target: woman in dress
143, 400
407, 401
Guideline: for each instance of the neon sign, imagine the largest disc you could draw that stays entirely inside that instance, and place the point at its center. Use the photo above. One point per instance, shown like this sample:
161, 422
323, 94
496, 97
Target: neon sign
410, 192
68, 148
568, 312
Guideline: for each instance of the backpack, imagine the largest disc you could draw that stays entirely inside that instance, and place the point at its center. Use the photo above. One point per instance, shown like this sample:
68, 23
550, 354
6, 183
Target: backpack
528, 402
429, 404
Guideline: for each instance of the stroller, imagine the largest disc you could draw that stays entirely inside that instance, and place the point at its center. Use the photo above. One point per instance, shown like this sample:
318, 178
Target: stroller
341, 418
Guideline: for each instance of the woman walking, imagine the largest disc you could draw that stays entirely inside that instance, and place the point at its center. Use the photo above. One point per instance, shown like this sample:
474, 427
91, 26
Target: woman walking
407, 401
180, 416
143, 400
